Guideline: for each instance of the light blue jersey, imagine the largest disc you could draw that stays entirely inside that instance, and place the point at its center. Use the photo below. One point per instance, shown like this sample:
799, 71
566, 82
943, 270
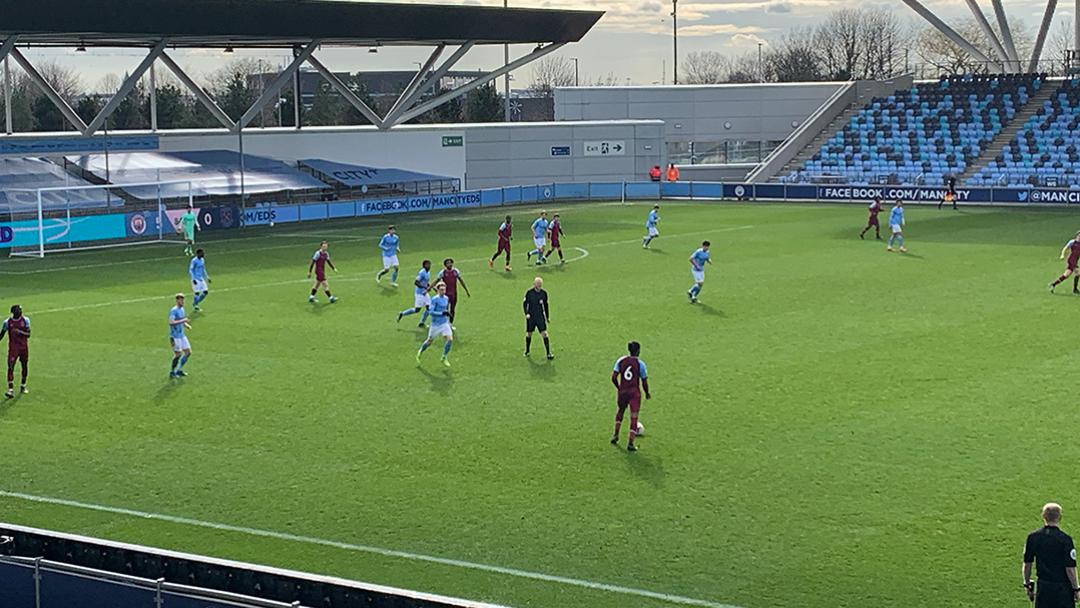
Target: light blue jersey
176, 331
423, 281
896, 218
197, 269
699, 258
389, 245
440, 310
540, 227
654, 219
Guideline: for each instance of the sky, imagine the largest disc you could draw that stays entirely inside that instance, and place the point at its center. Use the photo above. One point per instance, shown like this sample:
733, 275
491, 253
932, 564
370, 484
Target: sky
631, 43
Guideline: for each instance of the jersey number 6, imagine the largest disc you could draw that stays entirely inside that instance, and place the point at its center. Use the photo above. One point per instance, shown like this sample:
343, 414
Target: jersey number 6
628, 374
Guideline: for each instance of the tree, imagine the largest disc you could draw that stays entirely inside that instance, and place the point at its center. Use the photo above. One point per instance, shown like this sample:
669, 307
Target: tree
705, 67
88, 107
133, 112
484, 104
883, 37
327, 107
238, 84
552, 72
172, 108
1061, 40
352, 115
839, 44
795, 58
46, 116
946, 57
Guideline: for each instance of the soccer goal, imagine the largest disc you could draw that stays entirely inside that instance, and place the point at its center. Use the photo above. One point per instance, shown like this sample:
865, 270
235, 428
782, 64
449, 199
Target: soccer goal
81, 217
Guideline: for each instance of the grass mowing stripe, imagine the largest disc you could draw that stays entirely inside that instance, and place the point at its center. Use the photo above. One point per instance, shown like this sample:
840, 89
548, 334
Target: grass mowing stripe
584, 254
551, 578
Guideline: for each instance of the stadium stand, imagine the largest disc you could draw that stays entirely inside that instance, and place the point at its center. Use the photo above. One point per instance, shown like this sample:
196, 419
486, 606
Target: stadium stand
376, 180
921, 135
212, 173
1046, 152
20, 177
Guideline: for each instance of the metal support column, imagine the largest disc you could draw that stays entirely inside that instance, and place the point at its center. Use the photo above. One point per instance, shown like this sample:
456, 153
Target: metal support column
50, 92
153, 98
1040, 40
949, 33
988, 31
1006, 33
479, 82
7, 96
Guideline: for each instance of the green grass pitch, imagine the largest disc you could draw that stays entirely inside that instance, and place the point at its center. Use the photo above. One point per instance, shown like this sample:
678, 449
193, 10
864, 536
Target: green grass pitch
832, 425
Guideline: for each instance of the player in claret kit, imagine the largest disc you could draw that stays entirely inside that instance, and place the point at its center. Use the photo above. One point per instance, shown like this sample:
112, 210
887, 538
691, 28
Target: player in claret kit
555, 229
451, 276
872, 222
17, 328
629, 377
506, 231
319, 262
1072, 249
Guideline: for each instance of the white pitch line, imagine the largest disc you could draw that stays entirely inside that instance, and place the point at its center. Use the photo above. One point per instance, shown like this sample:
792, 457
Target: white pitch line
584, 254
310, 540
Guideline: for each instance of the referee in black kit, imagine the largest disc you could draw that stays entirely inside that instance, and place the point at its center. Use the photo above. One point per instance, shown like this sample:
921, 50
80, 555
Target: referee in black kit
537, 315
1053, 552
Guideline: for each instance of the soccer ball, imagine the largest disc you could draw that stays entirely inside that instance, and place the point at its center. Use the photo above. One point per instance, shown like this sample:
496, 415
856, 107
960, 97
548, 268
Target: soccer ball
640, 429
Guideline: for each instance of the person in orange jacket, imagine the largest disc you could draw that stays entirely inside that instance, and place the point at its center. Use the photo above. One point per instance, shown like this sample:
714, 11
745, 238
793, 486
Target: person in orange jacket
672, 173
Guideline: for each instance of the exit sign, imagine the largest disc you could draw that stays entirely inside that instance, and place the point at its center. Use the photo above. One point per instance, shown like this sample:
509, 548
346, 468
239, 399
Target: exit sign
453, 141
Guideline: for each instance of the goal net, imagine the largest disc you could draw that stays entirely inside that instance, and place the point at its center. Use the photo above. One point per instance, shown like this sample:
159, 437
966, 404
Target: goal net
72, 218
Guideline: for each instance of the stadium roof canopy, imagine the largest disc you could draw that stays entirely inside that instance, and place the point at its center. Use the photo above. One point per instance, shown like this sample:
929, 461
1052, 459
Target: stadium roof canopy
283, 23
301, 25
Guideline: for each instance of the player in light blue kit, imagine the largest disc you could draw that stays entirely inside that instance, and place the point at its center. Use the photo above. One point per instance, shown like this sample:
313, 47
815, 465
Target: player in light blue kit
697, 270
539, 230
440, 324
390, 250
178, 322
650, 226
421, 300
896, 224
200, 280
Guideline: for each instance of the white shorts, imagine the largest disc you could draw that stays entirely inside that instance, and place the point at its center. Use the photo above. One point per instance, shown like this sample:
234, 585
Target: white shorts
653, 231
440, 330
199, 286
180, 344
699, 275
539, 242
421, 300
896, 228
388, 261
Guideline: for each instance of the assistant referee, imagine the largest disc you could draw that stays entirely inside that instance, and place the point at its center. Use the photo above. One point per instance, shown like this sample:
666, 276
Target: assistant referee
537, 315
1055, 557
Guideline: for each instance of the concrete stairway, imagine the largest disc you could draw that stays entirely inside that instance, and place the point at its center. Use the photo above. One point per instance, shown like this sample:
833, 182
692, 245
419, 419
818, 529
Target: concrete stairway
812, 148
1014, 128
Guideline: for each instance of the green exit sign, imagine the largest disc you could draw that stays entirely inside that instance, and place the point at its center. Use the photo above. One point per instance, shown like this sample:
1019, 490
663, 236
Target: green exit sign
453, 141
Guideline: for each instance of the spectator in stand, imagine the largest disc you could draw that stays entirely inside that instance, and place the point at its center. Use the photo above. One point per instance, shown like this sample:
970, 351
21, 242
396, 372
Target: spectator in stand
655, 173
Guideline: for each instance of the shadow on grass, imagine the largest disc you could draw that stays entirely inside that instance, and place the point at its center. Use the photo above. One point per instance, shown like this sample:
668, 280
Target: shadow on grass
542, 368
709, 310
648, 468
167, 389
441, 382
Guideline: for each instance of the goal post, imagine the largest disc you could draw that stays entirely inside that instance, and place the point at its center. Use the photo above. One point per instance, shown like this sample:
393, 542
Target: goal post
74, 218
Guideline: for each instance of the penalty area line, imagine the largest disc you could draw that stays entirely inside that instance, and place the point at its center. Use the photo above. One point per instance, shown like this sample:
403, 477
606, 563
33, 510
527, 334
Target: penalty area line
358, 548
